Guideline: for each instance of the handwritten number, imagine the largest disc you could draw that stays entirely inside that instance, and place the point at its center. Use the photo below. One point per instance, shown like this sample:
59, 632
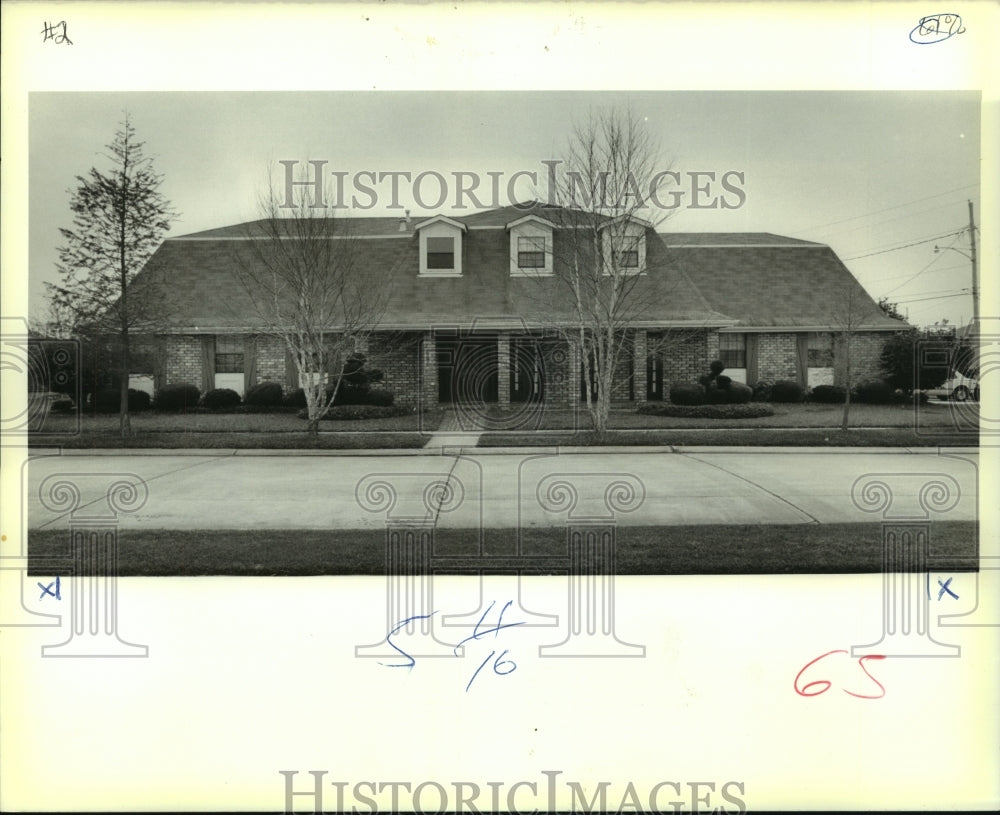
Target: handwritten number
501, 661
479, 669
805, 689
861, 662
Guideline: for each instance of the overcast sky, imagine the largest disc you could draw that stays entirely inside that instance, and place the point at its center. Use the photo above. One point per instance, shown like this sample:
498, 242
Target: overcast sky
863, 172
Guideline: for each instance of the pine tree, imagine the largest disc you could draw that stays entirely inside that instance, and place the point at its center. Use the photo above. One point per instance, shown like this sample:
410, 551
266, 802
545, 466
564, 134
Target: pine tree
119, 219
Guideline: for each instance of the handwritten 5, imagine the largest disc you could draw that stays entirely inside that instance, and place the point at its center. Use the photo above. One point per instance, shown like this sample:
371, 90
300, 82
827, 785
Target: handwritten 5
501, 665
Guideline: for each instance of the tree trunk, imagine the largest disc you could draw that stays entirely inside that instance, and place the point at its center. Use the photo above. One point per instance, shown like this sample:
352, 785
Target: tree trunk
847, 410
125, 423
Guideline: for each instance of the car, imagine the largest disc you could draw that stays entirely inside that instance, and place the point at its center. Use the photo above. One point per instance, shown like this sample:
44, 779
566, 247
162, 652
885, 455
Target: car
958, 387
50, 401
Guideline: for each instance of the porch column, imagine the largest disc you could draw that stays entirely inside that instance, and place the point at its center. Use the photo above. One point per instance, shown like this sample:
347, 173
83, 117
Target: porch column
503, 370
428, 371
573, 361
639, 365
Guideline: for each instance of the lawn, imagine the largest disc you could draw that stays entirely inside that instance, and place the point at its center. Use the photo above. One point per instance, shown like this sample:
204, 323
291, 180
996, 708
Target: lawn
929, 416
237, 431
714, 549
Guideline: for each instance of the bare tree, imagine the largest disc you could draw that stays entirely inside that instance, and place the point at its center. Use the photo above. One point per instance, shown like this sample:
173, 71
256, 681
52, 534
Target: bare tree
847, 315
609, 172
119, 218
299, 267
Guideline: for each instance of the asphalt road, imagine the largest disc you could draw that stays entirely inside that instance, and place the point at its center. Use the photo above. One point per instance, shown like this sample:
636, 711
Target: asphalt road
755, 486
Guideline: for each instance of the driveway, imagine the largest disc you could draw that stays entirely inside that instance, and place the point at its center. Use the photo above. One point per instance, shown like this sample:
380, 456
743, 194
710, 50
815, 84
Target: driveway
749, 486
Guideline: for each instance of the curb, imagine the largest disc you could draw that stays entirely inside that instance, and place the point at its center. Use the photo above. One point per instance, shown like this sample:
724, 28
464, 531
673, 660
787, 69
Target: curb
502, 451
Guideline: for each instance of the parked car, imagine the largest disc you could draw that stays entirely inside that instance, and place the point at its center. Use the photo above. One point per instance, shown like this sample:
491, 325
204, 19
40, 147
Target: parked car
50, 401
958, 387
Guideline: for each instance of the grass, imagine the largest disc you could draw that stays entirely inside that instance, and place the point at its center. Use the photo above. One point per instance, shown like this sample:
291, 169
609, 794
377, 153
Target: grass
928, 416
712, 549
756, 437
206, 440
207, 422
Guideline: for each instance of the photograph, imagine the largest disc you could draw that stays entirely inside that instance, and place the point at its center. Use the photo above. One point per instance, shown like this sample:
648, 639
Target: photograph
535, 390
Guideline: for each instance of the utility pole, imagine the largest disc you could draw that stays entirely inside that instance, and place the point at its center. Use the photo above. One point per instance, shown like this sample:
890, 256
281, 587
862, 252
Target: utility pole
975, 270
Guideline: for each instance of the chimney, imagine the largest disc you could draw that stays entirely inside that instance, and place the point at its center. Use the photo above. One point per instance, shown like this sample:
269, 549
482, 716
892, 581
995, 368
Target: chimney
404, 222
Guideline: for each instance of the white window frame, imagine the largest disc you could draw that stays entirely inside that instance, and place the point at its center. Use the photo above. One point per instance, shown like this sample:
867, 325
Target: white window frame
441, 227
530, 227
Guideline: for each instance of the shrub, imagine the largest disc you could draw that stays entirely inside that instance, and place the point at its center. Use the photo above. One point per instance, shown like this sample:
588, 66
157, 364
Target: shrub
220, 399
828, 394
742, 411
714, 395
175, 398
875, 393
687, 394
739, 393
762, 390
340, 413
109, 401
785, 390
63, 405
264, 394
295, 398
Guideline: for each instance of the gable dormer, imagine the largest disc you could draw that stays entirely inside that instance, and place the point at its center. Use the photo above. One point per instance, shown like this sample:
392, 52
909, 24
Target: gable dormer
623, 242
441, 246
530, 246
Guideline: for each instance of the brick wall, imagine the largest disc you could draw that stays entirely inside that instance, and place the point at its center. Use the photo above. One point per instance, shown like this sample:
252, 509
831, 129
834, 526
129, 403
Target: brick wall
866, 350
686, 354
271, 355
777, 357
182, 364
397, 355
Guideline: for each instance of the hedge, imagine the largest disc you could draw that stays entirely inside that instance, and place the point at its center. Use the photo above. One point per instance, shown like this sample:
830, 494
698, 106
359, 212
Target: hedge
828, 394
109, 401
220, 399
785, 390
341, 413
738, 411
264, 394
175, 398
876, 393
687, 394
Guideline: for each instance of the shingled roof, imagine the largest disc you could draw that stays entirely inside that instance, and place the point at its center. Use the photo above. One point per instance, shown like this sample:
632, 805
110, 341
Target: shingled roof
753, 280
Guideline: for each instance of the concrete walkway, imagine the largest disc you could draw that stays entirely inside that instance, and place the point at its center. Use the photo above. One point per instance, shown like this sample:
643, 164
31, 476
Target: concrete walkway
454, 434
513, 489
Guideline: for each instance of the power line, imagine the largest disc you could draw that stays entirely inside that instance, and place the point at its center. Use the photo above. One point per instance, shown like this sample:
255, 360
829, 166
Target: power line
889, 209
934, 260
939, 297
906, 245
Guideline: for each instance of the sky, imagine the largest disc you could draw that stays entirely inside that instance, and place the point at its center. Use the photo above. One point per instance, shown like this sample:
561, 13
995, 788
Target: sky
882, 177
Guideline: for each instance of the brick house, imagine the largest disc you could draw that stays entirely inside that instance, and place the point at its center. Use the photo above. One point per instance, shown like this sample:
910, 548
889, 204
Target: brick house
475, 304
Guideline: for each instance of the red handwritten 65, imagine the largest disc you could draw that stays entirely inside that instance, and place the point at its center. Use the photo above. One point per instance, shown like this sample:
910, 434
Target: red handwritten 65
804, 690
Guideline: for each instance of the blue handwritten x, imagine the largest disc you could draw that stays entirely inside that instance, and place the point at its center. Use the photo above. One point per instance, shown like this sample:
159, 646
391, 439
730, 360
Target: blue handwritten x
47, 590
944, 588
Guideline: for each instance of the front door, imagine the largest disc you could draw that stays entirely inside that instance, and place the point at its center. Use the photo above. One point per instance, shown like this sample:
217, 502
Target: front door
468, 370
527, 376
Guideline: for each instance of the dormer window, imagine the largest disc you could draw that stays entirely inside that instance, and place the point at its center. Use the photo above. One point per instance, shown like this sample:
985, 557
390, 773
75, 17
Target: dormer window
441, 247
624, 246
531, 252
441, 253
530, 246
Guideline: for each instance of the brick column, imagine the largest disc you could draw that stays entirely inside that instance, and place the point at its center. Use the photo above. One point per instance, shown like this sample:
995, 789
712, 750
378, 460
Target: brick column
428, 371
905, 502
712, 345
94, 545
639, 365
503, 371
573, 361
